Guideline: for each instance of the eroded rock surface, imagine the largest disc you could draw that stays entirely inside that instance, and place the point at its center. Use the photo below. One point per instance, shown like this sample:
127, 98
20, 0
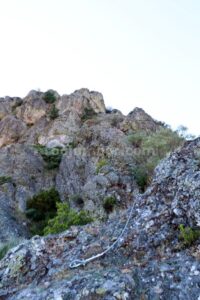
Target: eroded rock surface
148, 263
80, 100
11, 130
97, 162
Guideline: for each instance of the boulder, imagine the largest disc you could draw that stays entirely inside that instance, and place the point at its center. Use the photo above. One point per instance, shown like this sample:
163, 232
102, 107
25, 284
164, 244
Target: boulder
32, 109
138, 119
80, 101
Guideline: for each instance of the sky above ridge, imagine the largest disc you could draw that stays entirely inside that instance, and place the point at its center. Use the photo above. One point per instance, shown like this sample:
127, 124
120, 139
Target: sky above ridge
143, 53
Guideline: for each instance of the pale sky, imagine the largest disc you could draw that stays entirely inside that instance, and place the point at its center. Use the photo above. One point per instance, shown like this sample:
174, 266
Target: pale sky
143, 53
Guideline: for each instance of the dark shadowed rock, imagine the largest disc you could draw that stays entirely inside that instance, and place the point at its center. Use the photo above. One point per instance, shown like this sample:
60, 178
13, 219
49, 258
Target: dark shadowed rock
24, 168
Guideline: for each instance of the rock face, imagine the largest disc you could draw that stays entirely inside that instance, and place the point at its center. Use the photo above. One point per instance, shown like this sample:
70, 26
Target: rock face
80, 100
97, 161
99, 168
33, 108
11, 129
8, 105
138, 119
177, 181
25, 169
28, 178
148, 263
62, 131
5, 108
96, 158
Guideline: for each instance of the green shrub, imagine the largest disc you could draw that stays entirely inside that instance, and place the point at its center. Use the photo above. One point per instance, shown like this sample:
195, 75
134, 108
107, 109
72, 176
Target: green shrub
141, 177
137, 138
88, 114
109, 203
5, 179
5, 247
40, 208
151, 149
114, 121
54, 112
162, 142
188, 235
65, 218
52, 156
49, 97
72, 145
101, 163
3, 250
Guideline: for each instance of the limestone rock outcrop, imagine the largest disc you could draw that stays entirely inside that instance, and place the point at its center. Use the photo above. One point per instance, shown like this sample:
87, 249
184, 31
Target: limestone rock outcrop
80, 100
138, 119
88, 154
11, 130
32, 108
147, 263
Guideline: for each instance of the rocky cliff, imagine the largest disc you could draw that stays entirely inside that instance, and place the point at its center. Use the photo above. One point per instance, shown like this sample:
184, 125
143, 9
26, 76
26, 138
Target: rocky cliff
157, 257
96, 155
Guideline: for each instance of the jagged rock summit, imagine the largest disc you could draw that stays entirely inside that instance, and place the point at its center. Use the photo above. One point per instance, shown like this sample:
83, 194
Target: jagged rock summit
94, 162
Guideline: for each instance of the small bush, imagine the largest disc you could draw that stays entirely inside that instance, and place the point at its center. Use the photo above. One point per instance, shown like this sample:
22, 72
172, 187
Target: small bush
141, 177
136, 139
72, 145
65, 218
162, 142
49, 97
109, 203
3, 250
114, 121
52, 157
88, 114
152, 148
40, 208
188, 235
5, 247
101, 163
53, 114
5, 179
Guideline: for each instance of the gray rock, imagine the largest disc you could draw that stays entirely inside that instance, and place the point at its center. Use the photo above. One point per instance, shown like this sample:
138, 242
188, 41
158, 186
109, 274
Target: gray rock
11, 129
138, 119
80, 100
32, 109
26, 180
149, 260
